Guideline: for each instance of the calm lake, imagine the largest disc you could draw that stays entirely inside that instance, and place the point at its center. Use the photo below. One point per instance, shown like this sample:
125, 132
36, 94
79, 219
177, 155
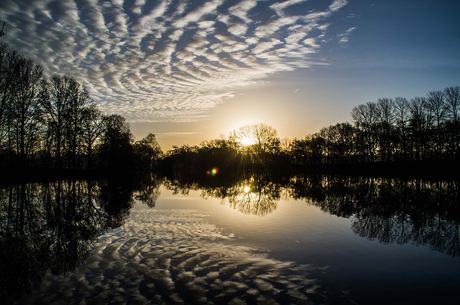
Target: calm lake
215, 239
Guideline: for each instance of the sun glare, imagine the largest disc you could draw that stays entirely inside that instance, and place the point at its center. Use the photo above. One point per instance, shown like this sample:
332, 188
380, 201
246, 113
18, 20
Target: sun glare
247, 141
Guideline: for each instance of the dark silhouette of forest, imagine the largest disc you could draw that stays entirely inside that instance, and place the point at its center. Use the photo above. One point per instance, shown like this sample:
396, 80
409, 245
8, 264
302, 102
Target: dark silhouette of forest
52, 123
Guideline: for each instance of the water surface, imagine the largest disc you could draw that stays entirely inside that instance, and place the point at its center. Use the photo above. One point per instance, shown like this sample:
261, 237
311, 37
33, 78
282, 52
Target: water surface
255, 239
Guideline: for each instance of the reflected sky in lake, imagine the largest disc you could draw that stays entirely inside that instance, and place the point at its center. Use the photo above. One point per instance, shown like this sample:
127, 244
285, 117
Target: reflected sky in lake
256, 239
174, 256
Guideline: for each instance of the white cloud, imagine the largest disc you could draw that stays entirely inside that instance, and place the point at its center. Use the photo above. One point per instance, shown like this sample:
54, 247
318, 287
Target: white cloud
311, 42
241, 9
295, 37
238, 29
343, 37
196, 15
337, 4
280, 6
171, 61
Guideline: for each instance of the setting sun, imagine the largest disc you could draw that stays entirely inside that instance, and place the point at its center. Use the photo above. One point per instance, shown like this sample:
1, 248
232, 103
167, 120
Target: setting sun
247, 141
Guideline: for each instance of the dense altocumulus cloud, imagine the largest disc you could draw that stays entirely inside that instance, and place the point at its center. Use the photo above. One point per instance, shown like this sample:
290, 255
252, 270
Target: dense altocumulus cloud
167, 60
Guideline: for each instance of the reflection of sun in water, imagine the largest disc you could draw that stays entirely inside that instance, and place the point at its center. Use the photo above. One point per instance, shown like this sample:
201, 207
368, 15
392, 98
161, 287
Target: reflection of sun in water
246, 189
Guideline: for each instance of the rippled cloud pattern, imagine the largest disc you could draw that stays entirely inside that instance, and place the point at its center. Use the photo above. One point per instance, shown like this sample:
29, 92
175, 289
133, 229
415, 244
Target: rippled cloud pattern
167, 61
175, 256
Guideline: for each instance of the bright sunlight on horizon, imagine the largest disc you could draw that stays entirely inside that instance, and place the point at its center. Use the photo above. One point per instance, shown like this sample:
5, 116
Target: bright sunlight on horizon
247, 141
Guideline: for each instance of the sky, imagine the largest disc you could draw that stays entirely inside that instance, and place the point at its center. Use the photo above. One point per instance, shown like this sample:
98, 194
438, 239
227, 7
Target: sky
190, 71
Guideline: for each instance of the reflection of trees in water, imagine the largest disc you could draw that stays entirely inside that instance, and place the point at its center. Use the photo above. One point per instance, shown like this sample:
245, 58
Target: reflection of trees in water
413, 211
390, 210
252, 193
177, 187
52, 226
249, 196
19, 240
148, 189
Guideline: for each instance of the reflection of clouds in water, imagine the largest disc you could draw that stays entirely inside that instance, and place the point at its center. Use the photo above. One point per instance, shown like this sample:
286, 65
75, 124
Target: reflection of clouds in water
169, 256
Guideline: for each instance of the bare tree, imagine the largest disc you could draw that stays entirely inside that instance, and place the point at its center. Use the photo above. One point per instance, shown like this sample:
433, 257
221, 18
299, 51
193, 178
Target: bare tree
263, 140
364, 117
452, 105
419, 124
80, 100
25, 112
402, 111
385, 109
147, 151
92, 128
435, 104
115, 149
267, 140
56, 107
10, 62
342, 136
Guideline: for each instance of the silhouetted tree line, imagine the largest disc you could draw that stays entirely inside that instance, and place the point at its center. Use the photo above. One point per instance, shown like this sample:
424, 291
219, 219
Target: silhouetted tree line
424, 129
389, 130
51, 226
249, 147
54, 123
